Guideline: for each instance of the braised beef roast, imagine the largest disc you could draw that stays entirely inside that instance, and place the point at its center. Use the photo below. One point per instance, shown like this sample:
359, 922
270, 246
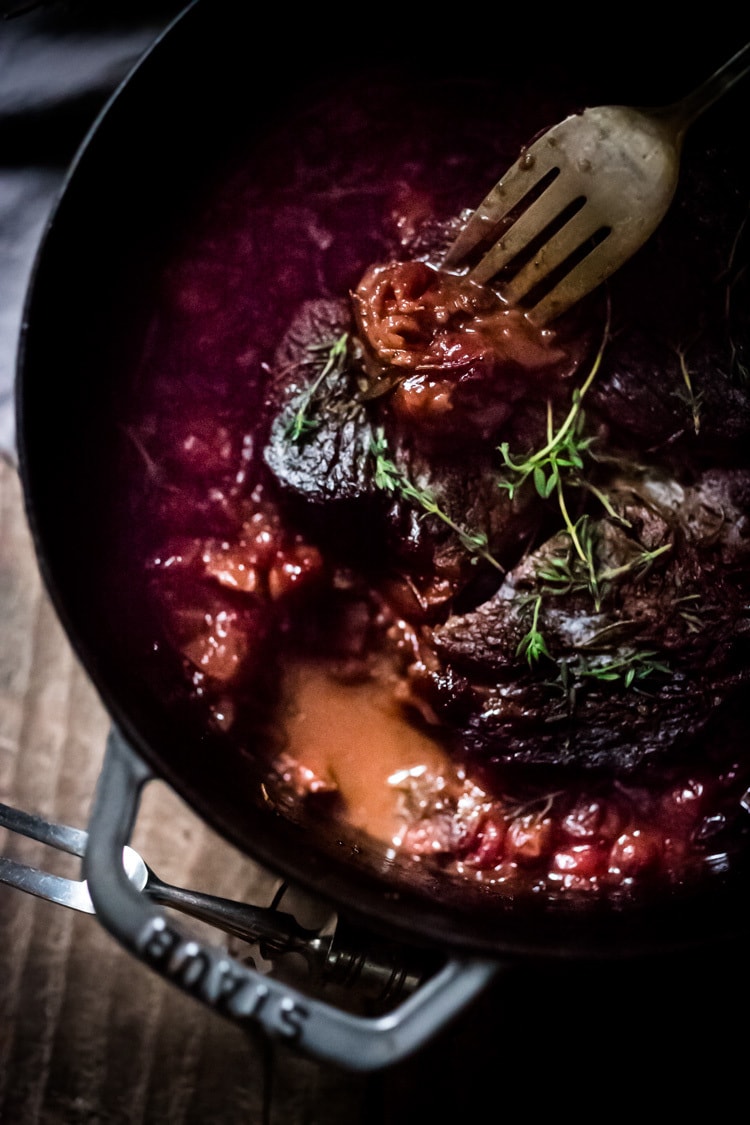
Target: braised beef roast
640, 605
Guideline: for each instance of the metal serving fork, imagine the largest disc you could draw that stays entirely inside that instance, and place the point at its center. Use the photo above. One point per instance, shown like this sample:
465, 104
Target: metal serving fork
276, 931
582, 199
337, 953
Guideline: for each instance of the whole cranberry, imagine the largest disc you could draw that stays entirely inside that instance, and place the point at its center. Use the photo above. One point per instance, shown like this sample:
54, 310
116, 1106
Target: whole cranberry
488, 843
294, 568
528, 838
594, 818
584, 861
681, 807
634, 853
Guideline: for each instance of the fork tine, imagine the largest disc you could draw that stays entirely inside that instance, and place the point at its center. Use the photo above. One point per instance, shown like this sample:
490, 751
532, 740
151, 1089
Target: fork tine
572, 237
60, 836
54, 888
521, 178
528, 226
570, 289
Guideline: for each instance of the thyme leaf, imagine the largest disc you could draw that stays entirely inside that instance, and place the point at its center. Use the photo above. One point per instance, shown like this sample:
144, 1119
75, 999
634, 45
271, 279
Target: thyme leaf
304, 422
533, 645
692, 399
628, 669
564, 447
390, 478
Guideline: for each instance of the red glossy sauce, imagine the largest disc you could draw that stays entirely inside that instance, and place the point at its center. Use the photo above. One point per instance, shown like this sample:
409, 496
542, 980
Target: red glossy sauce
218, 550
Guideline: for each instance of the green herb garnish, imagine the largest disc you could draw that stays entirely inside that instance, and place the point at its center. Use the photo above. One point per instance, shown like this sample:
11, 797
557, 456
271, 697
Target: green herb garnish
563, 573
561, 460
304, 423
564, 448
549, 466
692, 399
628, 669
640, 563
533, 645
390, 478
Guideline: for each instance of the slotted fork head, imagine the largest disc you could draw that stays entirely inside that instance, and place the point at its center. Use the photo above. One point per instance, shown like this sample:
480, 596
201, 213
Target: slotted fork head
579, 201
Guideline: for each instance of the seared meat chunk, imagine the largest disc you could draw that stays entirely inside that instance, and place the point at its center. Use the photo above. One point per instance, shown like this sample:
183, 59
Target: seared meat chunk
330, 444
607, 644
320, 436
645, 400
608, 662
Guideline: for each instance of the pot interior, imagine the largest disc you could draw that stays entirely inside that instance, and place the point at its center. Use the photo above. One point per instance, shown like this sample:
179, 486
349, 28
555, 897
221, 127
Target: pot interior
196, 115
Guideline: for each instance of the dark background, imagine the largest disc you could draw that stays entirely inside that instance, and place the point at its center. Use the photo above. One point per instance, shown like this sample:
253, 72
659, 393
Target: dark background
58, 65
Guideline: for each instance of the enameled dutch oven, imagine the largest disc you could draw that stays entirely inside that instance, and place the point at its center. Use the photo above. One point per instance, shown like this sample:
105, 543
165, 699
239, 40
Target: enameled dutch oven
210, 82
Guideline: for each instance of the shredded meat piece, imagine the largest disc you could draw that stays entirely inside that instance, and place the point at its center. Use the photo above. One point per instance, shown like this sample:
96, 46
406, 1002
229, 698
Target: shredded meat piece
451, 346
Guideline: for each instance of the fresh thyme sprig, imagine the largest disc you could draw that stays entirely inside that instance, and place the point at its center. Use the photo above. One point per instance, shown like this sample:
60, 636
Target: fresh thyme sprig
640, 563
564, 447
560, 460
390, 478
628, 669
302, 425
564, 574
692, 399
564, 451
533, 645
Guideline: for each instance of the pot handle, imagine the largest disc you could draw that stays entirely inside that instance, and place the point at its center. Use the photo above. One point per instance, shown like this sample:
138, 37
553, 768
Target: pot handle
232, 989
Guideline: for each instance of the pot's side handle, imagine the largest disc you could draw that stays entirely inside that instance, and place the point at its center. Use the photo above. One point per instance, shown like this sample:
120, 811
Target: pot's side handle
232, 989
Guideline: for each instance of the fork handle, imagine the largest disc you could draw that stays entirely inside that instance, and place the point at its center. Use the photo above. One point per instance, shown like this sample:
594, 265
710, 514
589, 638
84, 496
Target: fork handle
277, 932
688, 109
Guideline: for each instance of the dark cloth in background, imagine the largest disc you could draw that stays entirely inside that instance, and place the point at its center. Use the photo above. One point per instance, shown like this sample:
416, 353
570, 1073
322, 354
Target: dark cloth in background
59, 63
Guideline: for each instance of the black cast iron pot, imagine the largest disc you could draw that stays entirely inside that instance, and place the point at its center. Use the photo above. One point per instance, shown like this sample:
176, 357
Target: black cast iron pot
212, 82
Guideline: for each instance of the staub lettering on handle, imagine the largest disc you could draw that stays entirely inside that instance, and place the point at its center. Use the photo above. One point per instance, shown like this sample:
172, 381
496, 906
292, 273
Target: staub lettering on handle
218, 981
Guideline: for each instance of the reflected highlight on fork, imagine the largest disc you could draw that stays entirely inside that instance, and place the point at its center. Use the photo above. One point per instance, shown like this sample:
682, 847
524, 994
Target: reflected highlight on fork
278, 931
582, 199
